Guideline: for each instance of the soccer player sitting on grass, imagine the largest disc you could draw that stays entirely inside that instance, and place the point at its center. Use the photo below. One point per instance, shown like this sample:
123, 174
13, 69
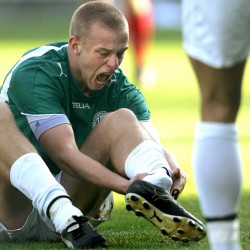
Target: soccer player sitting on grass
92, 129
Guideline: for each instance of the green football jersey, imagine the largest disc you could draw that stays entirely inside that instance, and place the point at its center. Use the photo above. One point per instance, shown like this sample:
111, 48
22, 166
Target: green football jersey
41, 84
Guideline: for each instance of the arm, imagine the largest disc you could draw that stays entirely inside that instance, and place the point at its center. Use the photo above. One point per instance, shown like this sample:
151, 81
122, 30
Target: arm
178, 175
59, 143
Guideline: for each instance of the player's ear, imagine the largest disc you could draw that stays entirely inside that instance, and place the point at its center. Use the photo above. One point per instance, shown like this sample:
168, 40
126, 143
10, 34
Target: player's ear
75, 45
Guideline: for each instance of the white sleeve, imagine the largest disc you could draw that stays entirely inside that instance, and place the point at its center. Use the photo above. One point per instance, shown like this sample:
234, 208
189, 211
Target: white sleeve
41, 123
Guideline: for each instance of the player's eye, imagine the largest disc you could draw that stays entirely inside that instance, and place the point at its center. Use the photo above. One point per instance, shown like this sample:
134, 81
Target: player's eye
104, 53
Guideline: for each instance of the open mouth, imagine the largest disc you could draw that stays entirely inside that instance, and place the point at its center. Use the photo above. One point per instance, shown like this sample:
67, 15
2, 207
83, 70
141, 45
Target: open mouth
103, 78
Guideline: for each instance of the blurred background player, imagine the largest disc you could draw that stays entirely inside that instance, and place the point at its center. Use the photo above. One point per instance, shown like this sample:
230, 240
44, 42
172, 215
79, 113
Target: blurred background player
140, 15
217, 40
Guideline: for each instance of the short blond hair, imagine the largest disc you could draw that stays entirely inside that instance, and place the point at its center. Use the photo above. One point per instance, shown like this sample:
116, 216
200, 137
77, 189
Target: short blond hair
94, 12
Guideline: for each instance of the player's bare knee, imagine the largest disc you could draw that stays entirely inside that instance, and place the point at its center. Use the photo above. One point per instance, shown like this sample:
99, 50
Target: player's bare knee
124, 116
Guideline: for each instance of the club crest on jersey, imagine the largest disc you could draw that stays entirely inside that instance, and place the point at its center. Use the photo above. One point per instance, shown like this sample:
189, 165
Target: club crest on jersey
78, 105
98, 117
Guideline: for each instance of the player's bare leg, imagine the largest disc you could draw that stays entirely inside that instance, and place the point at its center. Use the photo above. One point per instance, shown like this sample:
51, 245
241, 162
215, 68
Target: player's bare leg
115, 139
15, 207
217, 154
16, 152
106, 143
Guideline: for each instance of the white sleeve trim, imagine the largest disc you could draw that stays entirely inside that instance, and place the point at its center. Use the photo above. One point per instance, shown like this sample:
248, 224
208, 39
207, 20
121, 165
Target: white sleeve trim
41, 123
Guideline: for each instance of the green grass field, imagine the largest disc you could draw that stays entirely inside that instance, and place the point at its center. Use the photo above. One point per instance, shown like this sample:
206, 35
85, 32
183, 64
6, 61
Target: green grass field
174, 104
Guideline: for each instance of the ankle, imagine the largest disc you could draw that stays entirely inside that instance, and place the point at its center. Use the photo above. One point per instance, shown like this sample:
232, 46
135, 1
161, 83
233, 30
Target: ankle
224, 234
61, 212
159, 177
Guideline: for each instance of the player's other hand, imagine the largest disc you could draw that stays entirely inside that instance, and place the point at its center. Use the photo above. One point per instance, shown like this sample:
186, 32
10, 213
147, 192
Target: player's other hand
179, 181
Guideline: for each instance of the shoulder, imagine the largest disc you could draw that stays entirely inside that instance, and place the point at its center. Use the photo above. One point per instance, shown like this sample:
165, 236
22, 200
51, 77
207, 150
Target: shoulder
46, 60
53, 48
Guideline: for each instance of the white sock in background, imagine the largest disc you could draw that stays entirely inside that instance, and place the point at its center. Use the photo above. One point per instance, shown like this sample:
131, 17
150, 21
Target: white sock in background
218, 174
224, 235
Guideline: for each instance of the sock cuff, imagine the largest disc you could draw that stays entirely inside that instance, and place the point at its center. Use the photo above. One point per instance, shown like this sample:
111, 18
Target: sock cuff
227, 131
225, 218
53, 201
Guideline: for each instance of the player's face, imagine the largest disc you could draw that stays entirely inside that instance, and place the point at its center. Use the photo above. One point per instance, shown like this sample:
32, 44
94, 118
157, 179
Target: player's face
101, 54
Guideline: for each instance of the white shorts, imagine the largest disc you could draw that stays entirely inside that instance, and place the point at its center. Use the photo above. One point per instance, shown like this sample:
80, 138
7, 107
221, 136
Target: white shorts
35, 228
216, 32
40, 228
